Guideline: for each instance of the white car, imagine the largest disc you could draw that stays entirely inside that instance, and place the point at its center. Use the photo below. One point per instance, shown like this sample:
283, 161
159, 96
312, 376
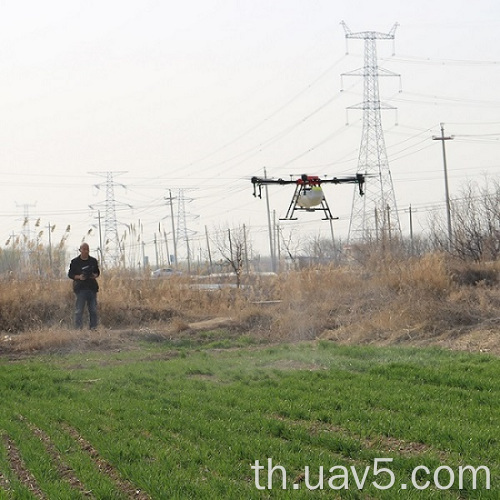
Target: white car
165, 272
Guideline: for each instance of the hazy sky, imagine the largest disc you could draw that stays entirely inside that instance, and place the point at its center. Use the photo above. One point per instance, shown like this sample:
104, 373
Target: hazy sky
200, 95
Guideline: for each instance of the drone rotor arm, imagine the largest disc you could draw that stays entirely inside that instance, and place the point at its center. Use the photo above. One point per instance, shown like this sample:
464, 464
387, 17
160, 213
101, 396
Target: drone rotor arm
263, 181
352, 179
307, 182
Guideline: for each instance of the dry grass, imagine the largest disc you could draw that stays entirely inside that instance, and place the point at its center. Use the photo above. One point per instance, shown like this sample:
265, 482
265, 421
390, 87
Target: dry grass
387, 301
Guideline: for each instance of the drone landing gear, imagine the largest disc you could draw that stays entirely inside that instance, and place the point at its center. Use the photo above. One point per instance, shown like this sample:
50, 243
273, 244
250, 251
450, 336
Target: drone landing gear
295, 206
326, 210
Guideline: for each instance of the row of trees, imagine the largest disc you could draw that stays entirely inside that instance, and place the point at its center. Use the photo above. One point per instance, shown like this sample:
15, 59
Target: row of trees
475, 216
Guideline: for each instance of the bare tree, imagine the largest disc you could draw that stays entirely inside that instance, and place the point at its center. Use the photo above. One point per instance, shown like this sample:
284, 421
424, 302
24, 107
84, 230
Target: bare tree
475, 223
232, 245
290, 245
322, 250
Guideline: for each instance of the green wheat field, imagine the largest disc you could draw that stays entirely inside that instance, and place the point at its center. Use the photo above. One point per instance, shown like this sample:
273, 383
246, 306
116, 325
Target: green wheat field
183, 420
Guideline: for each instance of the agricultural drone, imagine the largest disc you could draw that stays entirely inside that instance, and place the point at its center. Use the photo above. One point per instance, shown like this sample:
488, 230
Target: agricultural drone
308, 194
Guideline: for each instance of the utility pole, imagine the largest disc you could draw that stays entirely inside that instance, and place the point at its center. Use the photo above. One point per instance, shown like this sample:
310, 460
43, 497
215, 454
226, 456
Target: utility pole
443, 138
142, 263
156, 251
171, 201
411, 232
166, 247
271, 245
209, 251
277, 245
246, 249
332, 234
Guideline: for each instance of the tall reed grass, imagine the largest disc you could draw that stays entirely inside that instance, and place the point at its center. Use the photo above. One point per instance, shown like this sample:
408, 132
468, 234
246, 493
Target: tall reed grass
385, 300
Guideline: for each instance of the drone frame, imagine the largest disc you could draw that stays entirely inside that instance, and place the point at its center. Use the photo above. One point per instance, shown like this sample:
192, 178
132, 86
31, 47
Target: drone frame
303, 184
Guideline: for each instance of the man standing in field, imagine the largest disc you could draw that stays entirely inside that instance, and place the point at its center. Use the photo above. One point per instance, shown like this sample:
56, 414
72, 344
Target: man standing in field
84, 270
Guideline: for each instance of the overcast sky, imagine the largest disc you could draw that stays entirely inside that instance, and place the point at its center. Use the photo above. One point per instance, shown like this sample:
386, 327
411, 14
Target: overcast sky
201, 95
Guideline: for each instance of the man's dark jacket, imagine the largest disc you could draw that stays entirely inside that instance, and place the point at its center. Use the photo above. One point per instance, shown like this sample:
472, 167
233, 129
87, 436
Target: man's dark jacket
87, 267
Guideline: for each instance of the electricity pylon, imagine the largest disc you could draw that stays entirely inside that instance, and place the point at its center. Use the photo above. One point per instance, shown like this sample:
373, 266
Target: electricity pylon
374, 216
111, 249
183, 232
26, 222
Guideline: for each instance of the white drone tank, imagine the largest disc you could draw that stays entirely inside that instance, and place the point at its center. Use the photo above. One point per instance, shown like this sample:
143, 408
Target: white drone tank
311, 197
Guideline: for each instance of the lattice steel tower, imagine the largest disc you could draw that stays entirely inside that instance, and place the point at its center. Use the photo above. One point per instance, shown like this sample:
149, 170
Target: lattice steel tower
183, 233
110, 246
374, 216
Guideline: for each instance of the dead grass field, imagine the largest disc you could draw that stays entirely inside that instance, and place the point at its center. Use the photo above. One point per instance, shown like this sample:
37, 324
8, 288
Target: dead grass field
427, 301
